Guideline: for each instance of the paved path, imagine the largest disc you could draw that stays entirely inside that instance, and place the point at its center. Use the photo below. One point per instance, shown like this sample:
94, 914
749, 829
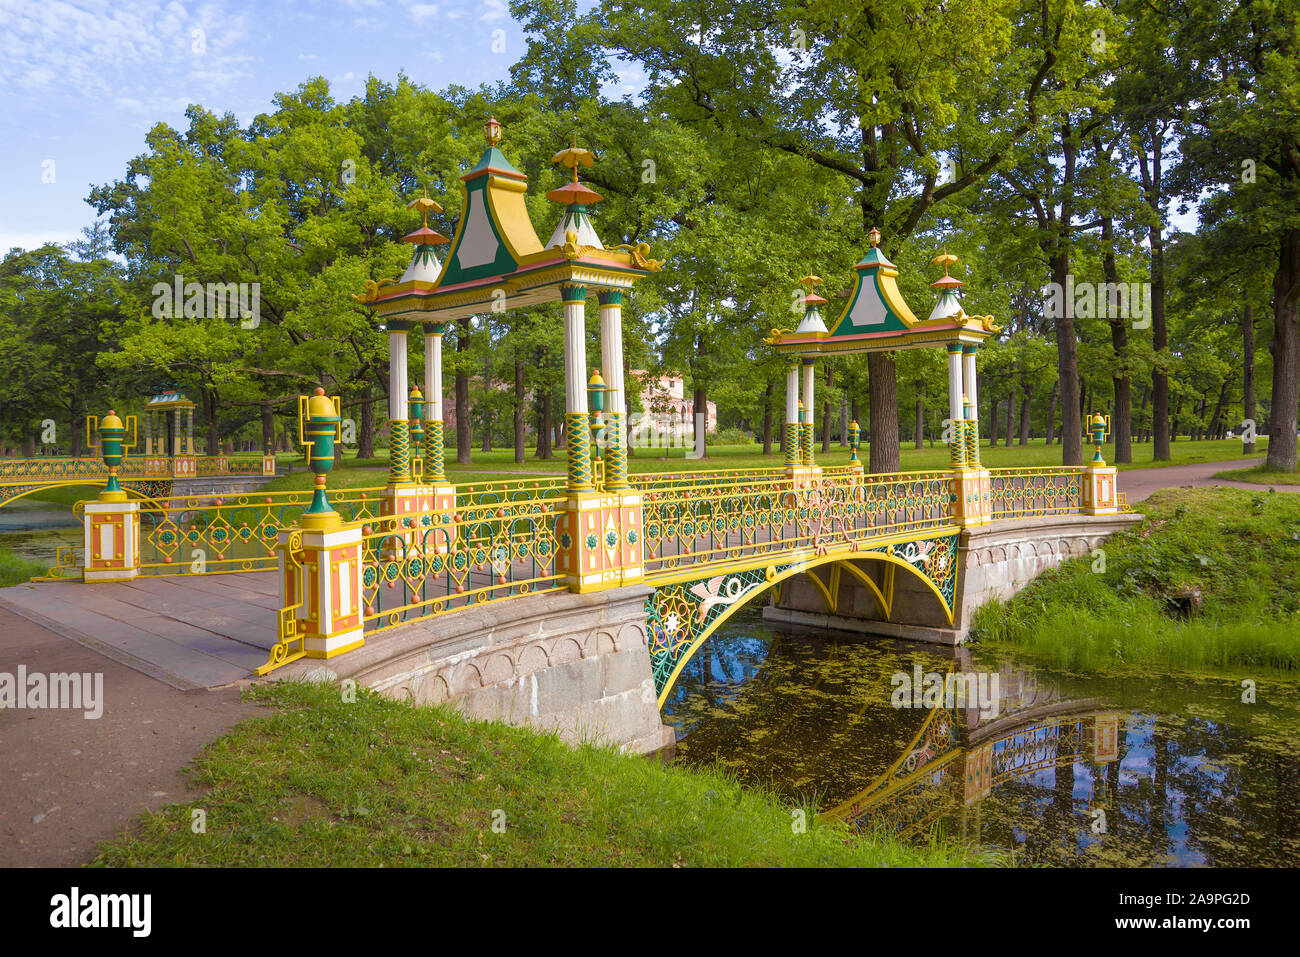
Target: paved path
193, 632
1138, 484
68, 782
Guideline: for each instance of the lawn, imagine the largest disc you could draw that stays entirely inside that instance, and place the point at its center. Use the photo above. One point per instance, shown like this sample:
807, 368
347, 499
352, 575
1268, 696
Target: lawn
1208, 580
320, 782
1260, 476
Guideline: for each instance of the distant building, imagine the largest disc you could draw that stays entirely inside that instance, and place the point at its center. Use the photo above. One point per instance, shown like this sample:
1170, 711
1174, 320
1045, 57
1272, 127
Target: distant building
666, 399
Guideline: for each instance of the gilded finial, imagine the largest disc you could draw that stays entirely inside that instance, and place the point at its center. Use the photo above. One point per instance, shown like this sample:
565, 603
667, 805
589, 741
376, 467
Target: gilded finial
492, 131
873, 237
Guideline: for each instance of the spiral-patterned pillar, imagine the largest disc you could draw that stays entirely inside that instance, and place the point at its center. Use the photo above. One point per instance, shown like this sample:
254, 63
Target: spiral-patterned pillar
611, 358
577, 437
957, 437
972, 395
809, 374
399, 448
434, 467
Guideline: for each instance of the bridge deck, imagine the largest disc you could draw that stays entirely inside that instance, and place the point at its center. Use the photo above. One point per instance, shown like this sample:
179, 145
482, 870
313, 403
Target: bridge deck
190, 632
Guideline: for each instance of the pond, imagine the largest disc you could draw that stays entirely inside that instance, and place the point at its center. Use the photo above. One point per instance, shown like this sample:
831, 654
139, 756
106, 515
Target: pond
35, 529
1057, 769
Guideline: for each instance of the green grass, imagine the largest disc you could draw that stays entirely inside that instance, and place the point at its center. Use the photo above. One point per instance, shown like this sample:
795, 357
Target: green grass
1209, 579
16, 570
1260, 476
320, 782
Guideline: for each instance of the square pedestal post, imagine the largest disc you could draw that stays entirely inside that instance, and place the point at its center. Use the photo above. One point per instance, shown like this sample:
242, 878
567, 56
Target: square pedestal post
971, 495
112, 538
601, 540
1099, 490
327, 584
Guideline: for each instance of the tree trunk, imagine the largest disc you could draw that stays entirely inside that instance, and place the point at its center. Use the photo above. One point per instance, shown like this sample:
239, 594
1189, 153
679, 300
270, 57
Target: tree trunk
1150, 168
545, 427
1286, 356
366, 438
1067, 356
268, 425
844, 420
826, 426
1051, 412
920, 414
994, 405
1216, 424
1011, 413
882, 386
1248, 376
1122, 420
210, 413
1025, 403
767, 419
519, 411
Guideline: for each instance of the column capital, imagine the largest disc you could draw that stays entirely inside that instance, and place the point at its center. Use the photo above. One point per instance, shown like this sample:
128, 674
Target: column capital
435, 328
573, 294
969, 348
396, 325
954, 348
610, 297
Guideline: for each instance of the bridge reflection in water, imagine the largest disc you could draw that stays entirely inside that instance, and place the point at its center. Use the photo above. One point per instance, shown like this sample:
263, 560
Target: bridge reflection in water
1068, 772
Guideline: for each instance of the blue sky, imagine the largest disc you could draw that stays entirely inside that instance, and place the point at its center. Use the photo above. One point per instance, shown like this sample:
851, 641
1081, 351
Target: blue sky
82, 81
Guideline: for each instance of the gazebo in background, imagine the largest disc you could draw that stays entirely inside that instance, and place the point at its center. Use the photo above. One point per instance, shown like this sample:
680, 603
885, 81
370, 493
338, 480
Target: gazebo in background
165, 448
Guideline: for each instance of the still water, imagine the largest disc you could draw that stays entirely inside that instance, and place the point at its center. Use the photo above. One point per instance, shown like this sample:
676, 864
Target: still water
35, 530
1058, 769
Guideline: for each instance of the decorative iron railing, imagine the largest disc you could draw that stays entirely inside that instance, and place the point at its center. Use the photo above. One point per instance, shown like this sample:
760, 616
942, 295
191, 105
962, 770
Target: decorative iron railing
64, 468
1018, 493
438, 561
706, 523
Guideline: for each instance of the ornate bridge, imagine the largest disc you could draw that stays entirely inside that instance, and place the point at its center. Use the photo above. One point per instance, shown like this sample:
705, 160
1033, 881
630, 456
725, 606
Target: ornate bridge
697, 545
147, 476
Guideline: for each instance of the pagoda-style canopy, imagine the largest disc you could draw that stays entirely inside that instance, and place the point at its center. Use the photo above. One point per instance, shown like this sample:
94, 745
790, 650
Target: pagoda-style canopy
877, 318
167, 402
496, 249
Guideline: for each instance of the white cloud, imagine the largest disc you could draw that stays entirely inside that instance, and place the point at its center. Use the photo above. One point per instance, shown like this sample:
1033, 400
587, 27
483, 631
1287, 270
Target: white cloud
494, 10
424, 11
115, 52
306, 56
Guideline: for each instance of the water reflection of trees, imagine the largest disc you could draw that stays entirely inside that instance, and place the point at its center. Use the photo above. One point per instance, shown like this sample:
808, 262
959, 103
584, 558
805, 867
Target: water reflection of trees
811, 716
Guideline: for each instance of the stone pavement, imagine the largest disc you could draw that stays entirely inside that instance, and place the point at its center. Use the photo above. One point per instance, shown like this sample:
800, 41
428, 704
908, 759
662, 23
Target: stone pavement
199, 631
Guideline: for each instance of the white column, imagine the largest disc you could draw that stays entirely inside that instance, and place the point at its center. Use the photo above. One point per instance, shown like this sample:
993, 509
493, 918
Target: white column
611, 356
809, 371
792, 395
575, 356
397, 375
954, 386
433, 375
968, 383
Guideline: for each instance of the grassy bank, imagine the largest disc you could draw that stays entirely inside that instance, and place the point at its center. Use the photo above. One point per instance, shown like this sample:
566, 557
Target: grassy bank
15, 570
320, 782
1210, 579
1260, 476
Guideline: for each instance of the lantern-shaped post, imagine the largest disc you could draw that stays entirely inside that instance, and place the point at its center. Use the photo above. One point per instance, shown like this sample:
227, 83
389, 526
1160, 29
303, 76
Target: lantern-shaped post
417, 432
319, 428
112, 524
1100, 495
